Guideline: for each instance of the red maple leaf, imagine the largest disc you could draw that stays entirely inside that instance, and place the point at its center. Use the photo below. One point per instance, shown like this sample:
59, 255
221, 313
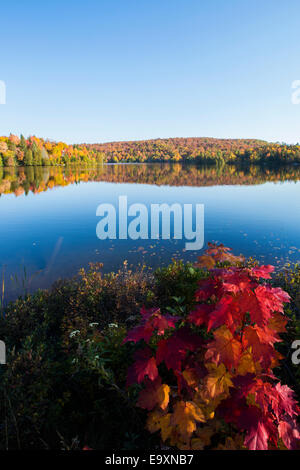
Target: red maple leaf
257, 437
144, 365
259, 427
235, 280
173, 350
269, 300
201, 314
222, 314
152, 319
143, 331
285, 401
208, 288
262, 271
261, 344
289, 433
163, 322
225, 348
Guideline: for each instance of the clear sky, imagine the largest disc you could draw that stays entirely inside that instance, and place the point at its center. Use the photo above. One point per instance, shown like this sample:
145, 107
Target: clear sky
103, 70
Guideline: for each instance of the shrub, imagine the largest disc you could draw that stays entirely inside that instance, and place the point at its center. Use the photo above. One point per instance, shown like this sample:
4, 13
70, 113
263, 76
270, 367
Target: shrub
65, 382
52, 388
289, 279
207, 374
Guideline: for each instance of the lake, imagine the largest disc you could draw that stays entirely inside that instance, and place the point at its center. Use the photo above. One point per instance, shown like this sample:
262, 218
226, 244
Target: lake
48, 216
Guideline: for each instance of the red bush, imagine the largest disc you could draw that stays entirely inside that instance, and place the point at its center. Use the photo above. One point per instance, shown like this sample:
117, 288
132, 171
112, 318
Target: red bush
207, 376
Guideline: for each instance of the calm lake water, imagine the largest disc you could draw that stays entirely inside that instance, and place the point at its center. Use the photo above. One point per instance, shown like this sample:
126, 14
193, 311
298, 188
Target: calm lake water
48, 216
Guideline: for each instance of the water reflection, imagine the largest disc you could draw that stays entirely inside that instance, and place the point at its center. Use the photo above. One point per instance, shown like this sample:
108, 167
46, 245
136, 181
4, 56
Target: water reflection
49, 231
39, 179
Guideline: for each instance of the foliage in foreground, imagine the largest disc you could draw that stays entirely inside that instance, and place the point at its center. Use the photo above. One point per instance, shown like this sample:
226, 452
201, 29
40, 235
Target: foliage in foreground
65, 382
199, 389
65, 375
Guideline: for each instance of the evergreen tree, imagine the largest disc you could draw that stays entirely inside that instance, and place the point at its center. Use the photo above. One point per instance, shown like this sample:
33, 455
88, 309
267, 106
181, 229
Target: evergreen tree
36, 154
11, 146
28, 160
37, 157
22, 144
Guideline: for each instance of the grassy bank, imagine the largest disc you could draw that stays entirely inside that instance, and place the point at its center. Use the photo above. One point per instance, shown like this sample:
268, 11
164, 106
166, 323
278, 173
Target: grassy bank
64, 382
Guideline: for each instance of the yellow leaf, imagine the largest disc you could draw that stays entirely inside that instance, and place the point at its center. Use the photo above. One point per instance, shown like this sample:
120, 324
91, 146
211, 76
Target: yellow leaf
185, 416
225, 348
163, 396
157, 421
203, 438
155, 394
208, 405
153, 421
218, 380
247, 364
191, 378
165, 427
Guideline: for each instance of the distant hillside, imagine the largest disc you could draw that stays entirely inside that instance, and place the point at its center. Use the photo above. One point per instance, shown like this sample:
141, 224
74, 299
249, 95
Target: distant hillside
198, 149
35, 151
185, 148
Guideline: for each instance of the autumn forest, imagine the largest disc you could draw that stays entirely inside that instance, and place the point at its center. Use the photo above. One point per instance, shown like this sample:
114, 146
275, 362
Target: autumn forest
18, 151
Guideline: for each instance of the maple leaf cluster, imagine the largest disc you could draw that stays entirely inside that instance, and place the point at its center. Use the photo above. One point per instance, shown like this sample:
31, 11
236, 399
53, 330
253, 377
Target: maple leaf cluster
218, 360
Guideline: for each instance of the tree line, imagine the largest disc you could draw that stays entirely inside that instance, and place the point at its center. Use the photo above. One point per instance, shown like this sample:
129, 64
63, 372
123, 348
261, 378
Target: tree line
34, 151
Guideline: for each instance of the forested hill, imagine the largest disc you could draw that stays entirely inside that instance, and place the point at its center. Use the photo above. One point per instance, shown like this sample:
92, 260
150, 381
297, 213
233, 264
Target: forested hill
177, 148
35, 151
198, 149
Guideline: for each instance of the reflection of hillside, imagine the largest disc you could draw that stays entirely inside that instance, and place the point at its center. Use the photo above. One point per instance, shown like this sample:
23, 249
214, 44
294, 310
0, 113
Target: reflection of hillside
38, 179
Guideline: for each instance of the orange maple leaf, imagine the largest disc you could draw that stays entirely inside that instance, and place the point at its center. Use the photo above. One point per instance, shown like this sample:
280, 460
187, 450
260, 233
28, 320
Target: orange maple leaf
185, 416
225, 348
218, 381
155, 394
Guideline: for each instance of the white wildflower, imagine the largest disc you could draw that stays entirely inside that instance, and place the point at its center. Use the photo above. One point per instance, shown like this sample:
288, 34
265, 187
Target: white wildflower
74, 333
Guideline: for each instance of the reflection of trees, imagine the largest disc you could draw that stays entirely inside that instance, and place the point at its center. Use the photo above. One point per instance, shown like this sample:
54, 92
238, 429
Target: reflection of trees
37, 179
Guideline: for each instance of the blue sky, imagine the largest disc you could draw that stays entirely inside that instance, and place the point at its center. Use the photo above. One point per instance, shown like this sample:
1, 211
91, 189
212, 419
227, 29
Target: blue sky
96, 71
